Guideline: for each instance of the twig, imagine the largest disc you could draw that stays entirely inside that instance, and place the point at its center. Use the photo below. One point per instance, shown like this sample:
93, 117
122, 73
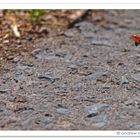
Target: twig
76, 17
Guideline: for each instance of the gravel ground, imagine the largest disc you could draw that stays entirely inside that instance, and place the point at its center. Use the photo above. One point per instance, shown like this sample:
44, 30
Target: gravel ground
86, 78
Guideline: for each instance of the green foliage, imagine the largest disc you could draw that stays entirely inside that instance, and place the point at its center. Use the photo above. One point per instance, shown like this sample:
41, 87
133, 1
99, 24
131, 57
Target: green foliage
36, 14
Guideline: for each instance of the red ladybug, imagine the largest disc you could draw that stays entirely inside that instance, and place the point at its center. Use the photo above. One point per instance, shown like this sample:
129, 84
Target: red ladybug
136, 39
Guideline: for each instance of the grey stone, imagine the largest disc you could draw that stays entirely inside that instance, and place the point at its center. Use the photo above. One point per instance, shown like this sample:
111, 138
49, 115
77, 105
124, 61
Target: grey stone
95, 109
46, 120
21, 67
25, 124
73, 69
98, 121
136, 127
63, 111
29, 64
101, 42
136, 77
18, 77
29, 72
124, 80
99, 124
32, 82
100, 118
50, 57
78, 86
100, 69
94, 76
4, 90
99, 72
108, 27
50, 77
87, 29
70, 33
27, 112
134, 102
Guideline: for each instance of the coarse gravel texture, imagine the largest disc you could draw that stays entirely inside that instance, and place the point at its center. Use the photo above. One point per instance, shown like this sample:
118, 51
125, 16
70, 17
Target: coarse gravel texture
86, 78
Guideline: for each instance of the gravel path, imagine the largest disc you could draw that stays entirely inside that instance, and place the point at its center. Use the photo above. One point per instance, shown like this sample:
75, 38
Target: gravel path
87, 78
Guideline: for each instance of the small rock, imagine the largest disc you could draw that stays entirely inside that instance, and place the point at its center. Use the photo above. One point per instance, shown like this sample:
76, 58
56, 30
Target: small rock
101, 42
60, 54
78, 86
16, 59
29, 64
50, 57
73, 69
124, 80
18, 77
68, 57
136, 127
21, 67
135, 89
99, 72
29, 72
133, 102
50, 77
86, 54
27, 112
137, 69
10, 57
136, 77
32, 82
94, 76
63, 111
64, 87
87, 29
98, 121
99, 124
109, 27
95, 109
70, 33
4, 90
46, 120
25, 124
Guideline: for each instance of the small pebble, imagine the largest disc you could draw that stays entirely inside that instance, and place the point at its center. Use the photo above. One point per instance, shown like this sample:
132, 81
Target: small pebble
63, 111
136, 77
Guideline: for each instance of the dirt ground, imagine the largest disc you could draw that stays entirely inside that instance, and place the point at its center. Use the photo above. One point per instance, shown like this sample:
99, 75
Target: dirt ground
85, 78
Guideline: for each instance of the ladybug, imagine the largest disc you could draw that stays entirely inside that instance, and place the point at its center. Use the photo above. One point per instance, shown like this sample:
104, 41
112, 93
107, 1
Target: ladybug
136, 39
